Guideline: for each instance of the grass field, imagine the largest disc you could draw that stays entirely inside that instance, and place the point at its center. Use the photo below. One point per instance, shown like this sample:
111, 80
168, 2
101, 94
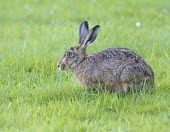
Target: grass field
35, 96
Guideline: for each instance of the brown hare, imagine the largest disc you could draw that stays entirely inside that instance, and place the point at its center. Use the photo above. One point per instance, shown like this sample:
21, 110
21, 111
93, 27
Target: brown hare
114, 69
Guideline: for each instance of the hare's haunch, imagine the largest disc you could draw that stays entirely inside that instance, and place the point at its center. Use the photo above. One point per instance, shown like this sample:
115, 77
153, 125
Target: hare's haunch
114, 69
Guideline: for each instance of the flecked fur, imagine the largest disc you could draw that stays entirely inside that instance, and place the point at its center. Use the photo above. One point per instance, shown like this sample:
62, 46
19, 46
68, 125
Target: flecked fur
114, 69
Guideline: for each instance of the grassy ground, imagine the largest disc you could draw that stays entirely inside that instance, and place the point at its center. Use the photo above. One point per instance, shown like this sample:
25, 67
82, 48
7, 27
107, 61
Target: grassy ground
35, 96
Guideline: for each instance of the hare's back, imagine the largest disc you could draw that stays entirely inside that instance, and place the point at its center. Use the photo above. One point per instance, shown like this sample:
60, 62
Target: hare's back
121, 63
118, 54
111, 61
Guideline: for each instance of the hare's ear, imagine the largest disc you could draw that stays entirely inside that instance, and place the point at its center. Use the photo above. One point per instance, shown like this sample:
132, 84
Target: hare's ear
91, 36
83, 30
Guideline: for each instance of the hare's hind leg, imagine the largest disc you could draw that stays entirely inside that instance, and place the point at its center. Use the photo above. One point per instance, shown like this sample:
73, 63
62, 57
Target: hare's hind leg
117, 87
134, 77
124, 87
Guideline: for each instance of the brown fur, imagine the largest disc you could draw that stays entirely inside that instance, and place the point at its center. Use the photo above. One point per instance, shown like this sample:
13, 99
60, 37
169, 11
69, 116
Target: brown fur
114, 69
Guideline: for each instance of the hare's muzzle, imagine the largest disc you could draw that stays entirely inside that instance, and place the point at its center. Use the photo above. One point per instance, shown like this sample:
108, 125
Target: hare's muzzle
61, 67
58, 67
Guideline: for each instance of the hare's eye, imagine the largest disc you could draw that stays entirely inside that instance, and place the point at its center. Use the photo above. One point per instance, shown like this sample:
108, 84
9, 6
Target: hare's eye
69, 54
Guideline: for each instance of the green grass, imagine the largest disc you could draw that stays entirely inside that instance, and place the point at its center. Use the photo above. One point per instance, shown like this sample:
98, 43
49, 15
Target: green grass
35, 96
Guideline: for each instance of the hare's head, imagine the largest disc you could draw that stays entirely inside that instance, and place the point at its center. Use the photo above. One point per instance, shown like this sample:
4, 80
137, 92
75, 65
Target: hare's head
75, 55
